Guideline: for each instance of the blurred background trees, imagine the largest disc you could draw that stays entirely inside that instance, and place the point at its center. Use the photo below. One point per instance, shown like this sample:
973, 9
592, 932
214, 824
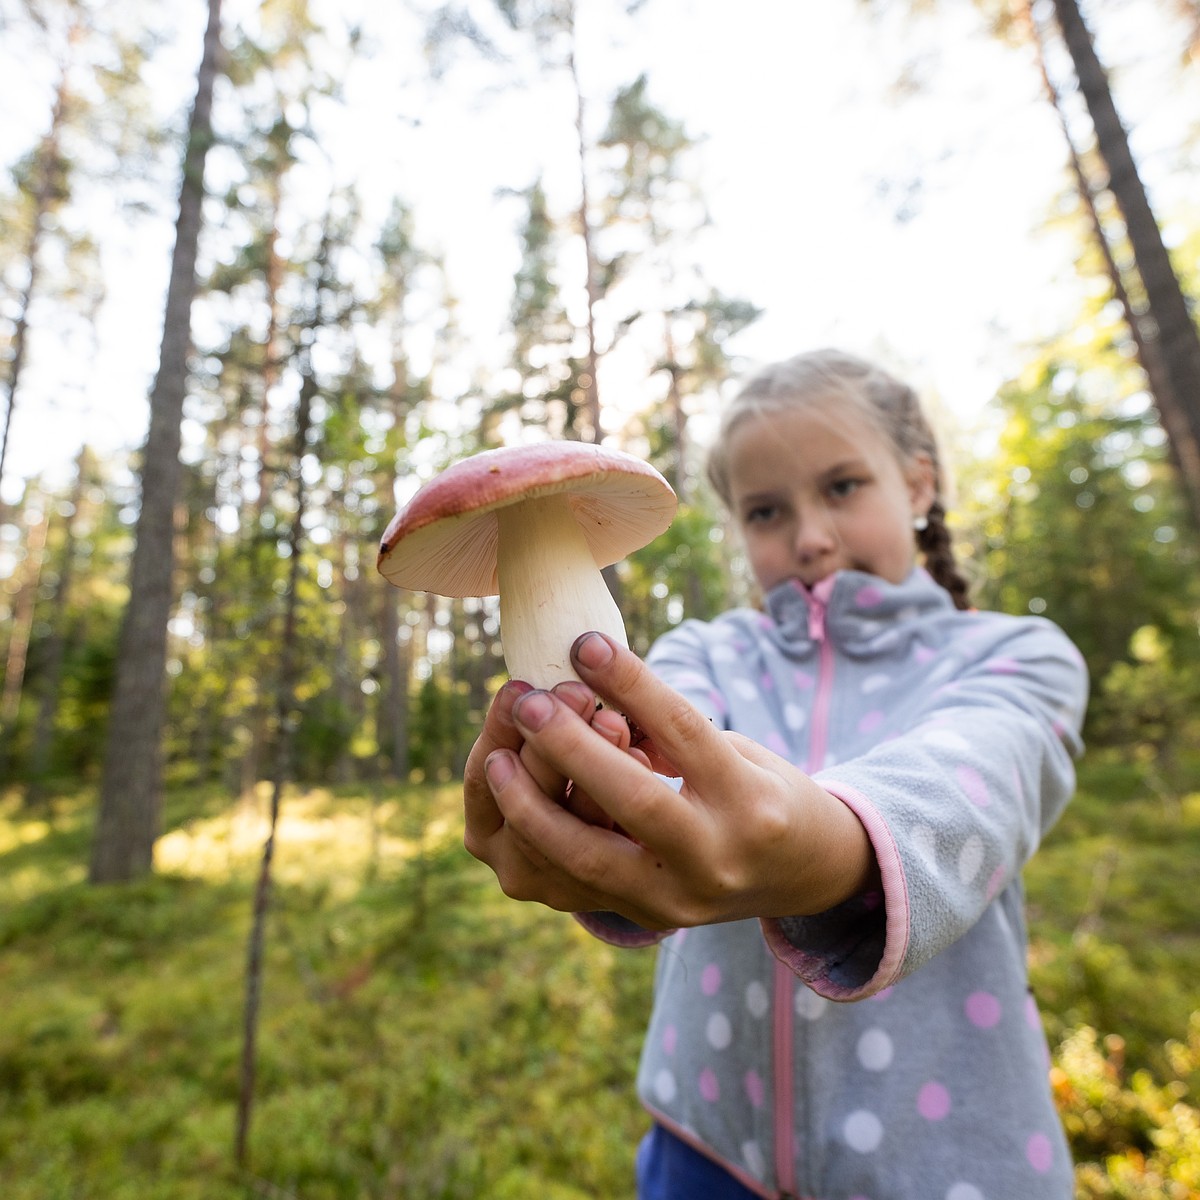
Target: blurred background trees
617, 327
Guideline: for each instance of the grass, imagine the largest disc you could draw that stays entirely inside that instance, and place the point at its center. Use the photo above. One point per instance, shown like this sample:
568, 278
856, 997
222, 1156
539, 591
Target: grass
424, 1037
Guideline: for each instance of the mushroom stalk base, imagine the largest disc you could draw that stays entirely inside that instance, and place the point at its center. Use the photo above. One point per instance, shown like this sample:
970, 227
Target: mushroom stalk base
551, 590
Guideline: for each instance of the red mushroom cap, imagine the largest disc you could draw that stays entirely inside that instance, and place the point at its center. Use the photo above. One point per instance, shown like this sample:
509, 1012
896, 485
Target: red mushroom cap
445, 539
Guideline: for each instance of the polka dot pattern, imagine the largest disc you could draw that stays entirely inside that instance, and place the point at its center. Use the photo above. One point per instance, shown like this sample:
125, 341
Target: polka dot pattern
898, 1095
933, 1101
863, 1131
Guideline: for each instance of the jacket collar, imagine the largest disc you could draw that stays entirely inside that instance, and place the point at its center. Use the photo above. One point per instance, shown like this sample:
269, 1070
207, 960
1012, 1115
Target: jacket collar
854, 610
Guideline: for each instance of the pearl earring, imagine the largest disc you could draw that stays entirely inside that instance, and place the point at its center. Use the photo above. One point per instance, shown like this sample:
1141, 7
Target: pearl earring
920, 523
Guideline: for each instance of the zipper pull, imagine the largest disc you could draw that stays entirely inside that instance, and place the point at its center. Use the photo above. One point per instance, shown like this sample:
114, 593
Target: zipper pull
818, 603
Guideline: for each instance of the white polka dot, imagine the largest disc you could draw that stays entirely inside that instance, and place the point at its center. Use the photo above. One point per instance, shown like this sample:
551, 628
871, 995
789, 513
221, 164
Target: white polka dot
754, 1159
756, 999
873, 683
970, 858
875, 1050
964, 1191
794, 716
664, 1085
809, 1005
725, 654
863, 1131
744, 689
924, 841
718, 1031
946, 739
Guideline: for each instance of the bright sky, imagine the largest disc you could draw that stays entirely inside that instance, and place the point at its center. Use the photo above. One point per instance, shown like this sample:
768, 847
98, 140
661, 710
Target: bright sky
900, 225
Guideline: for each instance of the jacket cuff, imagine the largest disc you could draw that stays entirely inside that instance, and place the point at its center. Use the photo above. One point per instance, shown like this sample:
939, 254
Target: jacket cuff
856, 949
620, 931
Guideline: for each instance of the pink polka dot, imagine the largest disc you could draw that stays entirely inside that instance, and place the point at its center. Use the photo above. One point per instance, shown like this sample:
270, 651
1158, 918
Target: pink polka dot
882, 994
766, 682
1039, 1152
756, 1091
933, 1101
871, 721
710, 979
983, 1010
1003, 666
1032, 1017
867, 597
995, 883
709, 1088
670, 1039
972, 783
776, 743
924, 654
804, 681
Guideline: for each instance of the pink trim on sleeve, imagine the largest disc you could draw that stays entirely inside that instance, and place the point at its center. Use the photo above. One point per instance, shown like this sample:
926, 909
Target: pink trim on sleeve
595, 924
809, 967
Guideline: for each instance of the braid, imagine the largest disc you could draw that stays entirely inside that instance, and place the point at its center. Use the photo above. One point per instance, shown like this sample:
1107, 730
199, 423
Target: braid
934, 543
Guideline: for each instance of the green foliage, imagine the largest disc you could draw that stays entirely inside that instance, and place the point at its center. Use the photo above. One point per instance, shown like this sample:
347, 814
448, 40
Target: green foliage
1137, 1136
423, 1036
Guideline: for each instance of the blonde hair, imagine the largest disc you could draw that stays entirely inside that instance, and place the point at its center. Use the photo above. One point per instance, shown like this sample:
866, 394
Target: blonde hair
831, 379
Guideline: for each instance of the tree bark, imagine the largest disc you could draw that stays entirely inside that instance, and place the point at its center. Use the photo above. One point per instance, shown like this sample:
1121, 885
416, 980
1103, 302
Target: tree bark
1170, 327
56, 646
591, 385
287, 720
130, 795
48, 169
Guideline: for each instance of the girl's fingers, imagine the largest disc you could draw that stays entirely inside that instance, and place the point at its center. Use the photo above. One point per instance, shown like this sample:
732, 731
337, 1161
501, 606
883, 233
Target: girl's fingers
580, 700
499, 732
676, 731
597, 862
633, 796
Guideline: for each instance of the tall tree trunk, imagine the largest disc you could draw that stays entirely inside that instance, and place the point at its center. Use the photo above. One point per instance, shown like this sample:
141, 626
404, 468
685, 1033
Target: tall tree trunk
130, 795
47, 183
391, 713
591, 384
1170, 328
22, 622
286, 719
56, 646
1147, 350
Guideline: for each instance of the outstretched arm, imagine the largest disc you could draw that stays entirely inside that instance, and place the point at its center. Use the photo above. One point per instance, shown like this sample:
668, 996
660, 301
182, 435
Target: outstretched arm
746, 835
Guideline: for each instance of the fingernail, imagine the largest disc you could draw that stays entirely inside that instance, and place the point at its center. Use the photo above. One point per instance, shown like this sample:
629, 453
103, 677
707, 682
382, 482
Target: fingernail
499, 768
609, 735
592, 650
533, 710
511, 692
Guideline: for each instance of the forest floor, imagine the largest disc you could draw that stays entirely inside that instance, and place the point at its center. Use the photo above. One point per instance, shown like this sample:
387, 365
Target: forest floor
423, 1037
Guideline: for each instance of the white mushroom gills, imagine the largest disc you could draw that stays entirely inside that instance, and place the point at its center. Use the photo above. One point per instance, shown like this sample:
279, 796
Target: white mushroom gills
551, 590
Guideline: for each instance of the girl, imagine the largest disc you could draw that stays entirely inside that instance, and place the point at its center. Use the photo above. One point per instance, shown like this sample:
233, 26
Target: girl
861, 770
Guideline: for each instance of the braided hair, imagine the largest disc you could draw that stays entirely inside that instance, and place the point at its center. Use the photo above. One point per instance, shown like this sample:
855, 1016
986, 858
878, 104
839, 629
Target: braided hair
833, 377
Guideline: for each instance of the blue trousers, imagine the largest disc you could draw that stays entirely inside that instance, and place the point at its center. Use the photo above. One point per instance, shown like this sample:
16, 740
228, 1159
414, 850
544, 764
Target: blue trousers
669, 1169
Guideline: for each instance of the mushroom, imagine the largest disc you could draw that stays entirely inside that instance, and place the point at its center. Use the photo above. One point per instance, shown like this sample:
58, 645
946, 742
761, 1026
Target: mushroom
534, 524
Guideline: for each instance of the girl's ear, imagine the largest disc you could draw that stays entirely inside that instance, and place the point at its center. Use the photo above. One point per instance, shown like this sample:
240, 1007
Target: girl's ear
921, 477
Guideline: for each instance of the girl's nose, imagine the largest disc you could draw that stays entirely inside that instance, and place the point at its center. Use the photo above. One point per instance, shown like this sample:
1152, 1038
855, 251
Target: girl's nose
814, 536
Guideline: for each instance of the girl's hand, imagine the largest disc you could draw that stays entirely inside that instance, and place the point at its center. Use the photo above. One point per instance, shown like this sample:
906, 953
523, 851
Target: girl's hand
747, 835
488, 837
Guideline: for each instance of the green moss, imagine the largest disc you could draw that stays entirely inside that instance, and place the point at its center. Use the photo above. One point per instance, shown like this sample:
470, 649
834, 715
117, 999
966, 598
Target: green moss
422, 1036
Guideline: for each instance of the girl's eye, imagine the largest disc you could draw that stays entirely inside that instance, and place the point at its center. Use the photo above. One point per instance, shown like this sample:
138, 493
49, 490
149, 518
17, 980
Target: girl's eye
760, 514
841, 488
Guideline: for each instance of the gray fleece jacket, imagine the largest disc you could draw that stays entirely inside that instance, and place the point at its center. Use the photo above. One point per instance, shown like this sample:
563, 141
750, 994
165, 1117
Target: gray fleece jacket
951, 735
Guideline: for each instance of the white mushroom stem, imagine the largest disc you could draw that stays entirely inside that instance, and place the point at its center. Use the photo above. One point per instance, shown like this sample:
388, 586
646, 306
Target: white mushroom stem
551, 590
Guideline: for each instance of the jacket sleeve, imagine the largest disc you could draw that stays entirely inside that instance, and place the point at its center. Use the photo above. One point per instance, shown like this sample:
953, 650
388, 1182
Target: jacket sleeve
954, 808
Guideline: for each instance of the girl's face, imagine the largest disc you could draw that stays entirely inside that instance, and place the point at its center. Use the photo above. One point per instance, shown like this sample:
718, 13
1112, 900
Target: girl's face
813, 494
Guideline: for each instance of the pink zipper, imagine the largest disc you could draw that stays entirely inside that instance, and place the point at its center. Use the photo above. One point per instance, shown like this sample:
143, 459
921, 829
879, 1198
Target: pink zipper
785, 1015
